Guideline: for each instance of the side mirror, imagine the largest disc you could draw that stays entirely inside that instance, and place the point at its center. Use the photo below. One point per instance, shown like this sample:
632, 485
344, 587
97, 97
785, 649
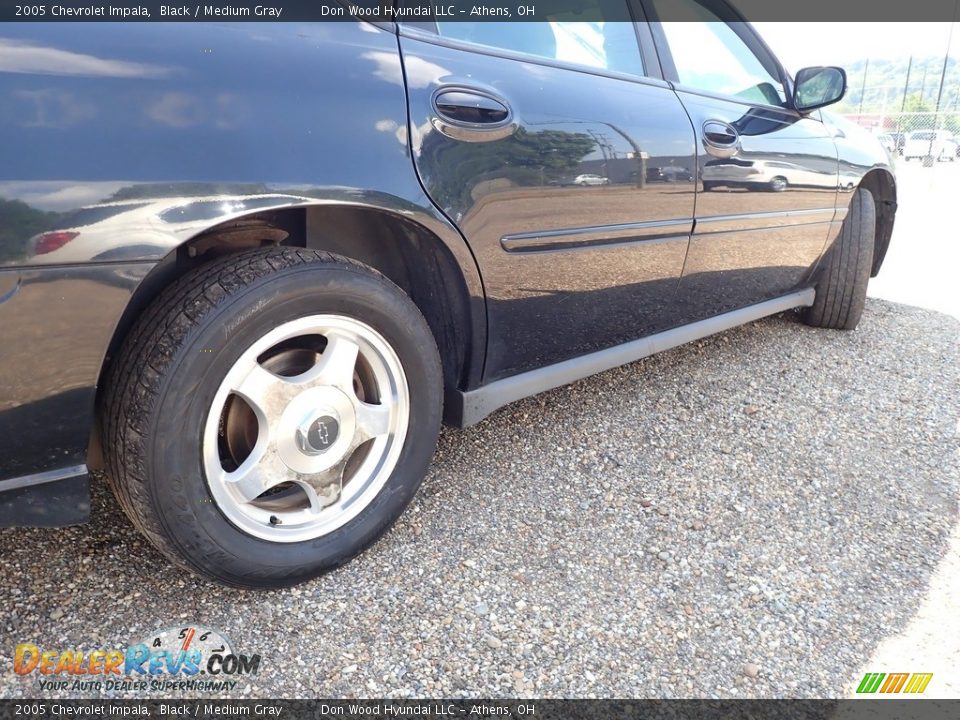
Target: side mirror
816, 87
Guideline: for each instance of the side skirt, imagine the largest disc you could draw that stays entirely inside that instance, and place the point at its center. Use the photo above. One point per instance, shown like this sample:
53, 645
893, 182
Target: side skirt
463, 409
55, 498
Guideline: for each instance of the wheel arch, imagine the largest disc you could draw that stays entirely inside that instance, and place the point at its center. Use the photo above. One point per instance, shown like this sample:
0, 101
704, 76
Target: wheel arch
881, 183
421, 254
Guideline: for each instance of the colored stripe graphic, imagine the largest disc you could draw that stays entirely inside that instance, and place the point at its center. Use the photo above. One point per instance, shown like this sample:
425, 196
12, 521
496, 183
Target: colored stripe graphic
918, 683
870, 682
894, 683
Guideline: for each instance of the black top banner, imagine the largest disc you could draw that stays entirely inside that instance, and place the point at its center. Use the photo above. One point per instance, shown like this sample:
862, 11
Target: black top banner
464, 11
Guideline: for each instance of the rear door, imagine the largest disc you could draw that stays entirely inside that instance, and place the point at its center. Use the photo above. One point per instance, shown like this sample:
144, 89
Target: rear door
543, 142
767, 175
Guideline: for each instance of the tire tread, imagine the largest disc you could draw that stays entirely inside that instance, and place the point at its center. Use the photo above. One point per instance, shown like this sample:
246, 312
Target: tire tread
842, 285
136, 377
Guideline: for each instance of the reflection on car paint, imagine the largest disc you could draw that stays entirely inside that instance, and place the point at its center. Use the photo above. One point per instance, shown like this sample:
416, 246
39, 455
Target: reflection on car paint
588, 222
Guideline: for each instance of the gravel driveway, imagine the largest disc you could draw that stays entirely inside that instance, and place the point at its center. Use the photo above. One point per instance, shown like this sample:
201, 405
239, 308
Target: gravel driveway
749, 515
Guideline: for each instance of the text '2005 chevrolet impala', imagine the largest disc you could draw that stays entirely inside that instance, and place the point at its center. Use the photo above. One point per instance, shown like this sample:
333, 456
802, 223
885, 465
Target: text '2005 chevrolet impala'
249, 269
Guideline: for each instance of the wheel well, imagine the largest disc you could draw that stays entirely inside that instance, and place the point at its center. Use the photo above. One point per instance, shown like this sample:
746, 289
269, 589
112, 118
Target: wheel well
407, 253
881, 185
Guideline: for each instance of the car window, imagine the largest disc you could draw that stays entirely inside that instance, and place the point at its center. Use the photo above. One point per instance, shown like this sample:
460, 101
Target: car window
582, 36
709, 55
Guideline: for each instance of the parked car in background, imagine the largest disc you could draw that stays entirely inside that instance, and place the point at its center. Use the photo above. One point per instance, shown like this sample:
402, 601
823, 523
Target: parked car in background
929, 145
952, 151
669, 174
893, 142
87, 233
590, 179
260, 363
888, 142
901, 139
770, 175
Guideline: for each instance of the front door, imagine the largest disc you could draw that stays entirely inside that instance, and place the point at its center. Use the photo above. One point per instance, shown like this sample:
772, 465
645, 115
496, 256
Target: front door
767, 175
569, 170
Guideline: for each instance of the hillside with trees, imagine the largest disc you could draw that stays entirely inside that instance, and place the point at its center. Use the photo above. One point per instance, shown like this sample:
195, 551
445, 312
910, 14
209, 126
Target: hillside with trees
901, 85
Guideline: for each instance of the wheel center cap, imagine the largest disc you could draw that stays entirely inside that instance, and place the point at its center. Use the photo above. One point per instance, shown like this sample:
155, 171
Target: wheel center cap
315, 430
317, 436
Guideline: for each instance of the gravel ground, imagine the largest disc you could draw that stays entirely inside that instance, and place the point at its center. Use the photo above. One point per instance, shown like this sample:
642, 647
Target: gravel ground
749, 515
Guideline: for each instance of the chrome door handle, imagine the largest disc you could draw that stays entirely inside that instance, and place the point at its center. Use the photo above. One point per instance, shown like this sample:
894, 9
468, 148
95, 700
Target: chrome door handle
720, 138
472, 115
470, 108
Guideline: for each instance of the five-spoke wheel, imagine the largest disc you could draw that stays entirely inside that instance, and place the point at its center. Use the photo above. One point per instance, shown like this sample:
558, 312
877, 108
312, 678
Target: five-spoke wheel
305, 428
272, 414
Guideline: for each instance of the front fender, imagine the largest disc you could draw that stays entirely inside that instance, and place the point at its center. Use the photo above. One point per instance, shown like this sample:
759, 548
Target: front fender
864, 162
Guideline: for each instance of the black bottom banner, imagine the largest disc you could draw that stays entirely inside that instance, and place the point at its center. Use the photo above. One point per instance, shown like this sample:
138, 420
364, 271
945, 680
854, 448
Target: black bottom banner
921, 709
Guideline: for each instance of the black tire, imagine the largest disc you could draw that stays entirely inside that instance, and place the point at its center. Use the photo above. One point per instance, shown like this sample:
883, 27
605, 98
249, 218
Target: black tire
778, 184
161, 385
842, 283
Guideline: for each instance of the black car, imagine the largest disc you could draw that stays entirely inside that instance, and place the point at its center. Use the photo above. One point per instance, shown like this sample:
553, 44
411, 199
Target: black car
669, 174
249, 269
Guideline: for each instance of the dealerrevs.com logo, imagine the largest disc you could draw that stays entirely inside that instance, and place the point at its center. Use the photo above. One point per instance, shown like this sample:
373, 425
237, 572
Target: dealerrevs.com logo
189, 658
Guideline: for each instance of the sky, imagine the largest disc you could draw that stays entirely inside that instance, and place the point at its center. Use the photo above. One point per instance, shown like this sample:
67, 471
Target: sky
803, 44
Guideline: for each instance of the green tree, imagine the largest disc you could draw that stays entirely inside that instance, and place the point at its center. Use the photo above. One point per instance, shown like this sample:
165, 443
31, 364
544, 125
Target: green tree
18, 223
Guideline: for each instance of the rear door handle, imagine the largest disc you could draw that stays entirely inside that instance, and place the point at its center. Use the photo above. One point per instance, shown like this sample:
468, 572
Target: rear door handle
470, 107
473, 115
720, 138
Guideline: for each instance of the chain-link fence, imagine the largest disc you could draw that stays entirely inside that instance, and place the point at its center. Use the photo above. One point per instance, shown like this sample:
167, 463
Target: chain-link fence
911, 102
926, 136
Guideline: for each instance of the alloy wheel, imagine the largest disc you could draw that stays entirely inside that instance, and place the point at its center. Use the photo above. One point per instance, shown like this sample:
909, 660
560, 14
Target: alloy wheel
306, 428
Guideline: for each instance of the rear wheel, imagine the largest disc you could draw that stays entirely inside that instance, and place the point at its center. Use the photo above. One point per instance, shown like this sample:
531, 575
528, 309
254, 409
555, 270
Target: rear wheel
272, 414
842, 284
778, 184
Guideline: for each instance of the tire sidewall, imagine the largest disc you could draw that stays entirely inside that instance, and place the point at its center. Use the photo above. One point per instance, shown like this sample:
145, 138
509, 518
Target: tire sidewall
841, 284
179, 489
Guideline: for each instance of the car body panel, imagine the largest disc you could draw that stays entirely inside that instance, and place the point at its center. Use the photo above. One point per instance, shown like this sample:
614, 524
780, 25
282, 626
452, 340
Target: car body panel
858, 153
568, 267
51, 499
755, 240
123, 142
61, 320
135, 138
